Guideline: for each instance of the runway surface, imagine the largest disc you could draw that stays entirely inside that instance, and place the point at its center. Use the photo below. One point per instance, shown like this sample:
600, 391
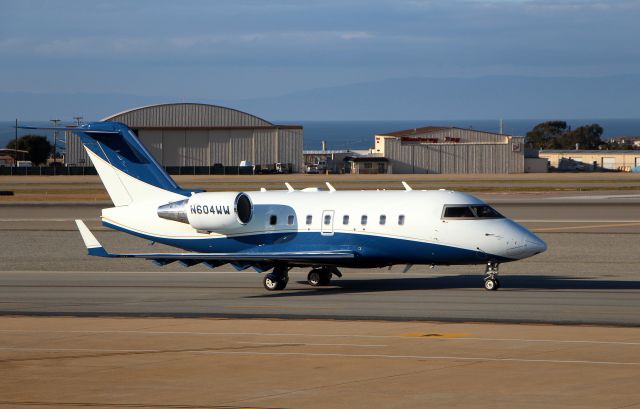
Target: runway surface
209, 363
618, 213
364, 295
589, 275
79, 331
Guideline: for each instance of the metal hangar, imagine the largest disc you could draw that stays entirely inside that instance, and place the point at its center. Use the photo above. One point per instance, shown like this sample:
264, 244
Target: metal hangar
200, 135
450, 150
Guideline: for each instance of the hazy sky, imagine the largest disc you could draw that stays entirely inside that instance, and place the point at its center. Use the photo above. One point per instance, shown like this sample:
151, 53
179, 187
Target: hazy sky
243, 48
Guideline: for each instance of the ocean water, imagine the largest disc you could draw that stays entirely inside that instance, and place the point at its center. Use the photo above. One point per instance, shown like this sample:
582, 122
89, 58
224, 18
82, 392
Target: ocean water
360, 134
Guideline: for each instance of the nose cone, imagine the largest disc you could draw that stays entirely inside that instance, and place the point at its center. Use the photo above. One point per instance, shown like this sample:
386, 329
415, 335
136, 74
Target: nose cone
524, 244
535, 244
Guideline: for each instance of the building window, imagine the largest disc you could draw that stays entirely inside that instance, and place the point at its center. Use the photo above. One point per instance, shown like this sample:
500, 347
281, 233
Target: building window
309, 219
368, 165
383, 219
363, 220
273, 220
345, 219
327, 219
290, 219
401, 220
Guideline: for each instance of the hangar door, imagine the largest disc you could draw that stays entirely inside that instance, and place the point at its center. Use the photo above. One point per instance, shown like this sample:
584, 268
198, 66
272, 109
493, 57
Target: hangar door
608, 163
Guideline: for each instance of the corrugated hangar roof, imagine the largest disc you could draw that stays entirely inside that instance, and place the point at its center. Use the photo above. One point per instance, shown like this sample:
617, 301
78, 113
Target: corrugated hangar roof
431, 129
413, 131
187, 115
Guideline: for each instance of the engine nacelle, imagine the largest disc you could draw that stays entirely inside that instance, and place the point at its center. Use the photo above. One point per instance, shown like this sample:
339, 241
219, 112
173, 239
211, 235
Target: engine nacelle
224, 212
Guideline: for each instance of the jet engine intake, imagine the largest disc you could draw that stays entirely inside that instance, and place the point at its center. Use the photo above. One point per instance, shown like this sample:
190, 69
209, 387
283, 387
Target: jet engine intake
223, 212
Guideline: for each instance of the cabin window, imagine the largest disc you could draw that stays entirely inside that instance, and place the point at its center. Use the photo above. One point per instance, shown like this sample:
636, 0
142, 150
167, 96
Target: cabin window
290, 219
470, 212
309, 219
327, 219
401, 220
383, 219
363, 219
345, 219
273, 220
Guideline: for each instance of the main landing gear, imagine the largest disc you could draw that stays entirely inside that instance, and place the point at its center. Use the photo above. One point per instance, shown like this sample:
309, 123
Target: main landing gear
491, 282
319, 277
276, 280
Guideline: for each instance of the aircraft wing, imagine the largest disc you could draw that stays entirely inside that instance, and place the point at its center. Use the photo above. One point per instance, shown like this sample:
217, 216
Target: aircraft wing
240, 260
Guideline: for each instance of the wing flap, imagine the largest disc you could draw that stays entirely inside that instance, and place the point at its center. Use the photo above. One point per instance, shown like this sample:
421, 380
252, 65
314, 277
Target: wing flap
243, 259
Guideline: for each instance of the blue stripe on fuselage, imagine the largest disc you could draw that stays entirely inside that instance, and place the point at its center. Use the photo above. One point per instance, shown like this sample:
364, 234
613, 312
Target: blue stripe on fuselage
370, 250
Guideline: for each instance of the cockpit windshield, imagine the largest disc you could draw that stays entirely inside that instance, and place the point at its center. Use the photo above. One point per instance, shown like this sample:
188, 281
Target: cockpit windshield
470, 212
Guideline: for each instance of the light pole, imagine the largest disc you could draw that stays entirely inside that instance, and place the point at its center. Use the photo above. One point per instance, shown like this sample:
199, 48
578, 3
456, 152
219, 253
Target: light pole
15, 147
55, 123
78, 120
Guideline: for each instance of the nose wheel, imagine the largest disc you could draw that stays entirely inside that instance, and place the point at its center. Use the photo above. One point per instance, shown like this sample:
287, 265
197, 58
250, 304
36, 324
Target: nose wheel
491, 282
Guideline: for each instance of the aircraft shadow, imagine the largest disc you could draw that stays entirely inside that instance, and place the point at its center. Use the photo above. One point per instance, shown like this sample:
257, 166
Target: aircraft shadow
510, 283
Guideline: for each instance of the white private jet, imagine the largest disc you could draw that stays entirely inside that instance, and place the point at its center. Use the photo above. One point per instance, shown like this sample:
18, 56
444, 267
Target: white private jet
279, 230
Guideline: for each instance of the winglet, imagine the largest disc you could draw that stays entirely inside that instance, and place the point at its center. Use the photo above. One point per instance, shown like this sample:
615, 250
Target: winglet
406, 186
330, 186
94, 247
289, 187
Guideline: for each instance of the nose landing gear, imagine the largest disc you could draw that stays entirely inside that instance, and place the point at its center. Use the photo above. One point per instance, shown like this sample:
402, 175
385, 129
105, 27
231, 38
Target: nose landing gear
491, 282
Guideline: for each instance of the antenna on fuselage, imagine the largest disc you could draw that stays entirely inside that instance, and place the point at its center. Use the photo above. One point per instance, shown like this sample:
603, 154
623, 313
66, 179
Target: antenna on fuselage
330, 186
263, 189
406, 186
289, 187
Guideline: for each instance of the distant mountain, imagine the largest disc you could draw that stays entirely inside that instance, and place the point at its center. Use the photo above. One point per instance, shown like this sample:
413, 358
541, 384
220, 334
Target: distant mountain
457, 98
392, 99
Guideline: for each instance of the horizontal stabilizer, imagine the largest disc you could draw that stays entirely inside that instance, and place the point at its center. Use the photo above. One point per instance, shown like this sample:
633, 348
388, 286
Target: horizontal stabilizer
94, 247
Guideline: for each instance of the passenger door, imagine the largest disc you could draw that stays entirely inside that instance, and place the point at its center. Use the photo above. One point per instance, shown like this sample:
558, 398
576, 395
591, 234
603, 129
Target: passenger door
327, 223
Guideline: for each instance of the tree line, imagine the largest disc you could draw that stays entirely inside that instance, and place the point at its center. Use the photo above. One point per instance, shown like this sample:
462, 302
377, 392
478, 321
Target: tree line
38, 148
546, 135
558, 135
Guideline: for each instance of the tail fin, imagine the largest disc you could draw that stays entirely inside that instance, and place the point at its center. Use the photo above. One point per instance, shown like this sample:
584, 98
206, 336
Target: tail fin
127, 170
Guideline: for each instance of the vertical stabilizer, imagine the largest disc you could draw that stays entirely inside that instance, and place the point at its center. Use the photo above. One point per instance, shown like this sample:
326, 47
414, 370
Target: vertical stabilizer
127, 170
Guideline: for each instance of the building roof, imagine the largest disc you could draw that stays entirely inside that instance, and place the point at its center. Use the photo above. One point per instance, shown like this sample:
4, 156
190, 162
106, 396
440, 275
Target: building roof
366, 159
415, 131
431, 129
190, 115
593, 152
327, 152
7, 150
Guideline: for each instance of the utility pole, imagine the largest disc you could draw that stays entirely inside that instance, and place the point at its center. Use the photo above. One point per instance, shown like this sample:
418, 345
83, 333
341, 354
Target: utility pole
15, 147
55, 123
501, 126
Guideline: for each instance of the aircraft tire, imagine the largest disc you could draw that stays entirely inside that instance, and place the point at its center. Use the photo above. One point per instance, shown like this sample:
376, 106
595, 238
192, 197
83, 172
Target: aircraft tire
314, 278
325, 279
319, 277
271, 282
491, 284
